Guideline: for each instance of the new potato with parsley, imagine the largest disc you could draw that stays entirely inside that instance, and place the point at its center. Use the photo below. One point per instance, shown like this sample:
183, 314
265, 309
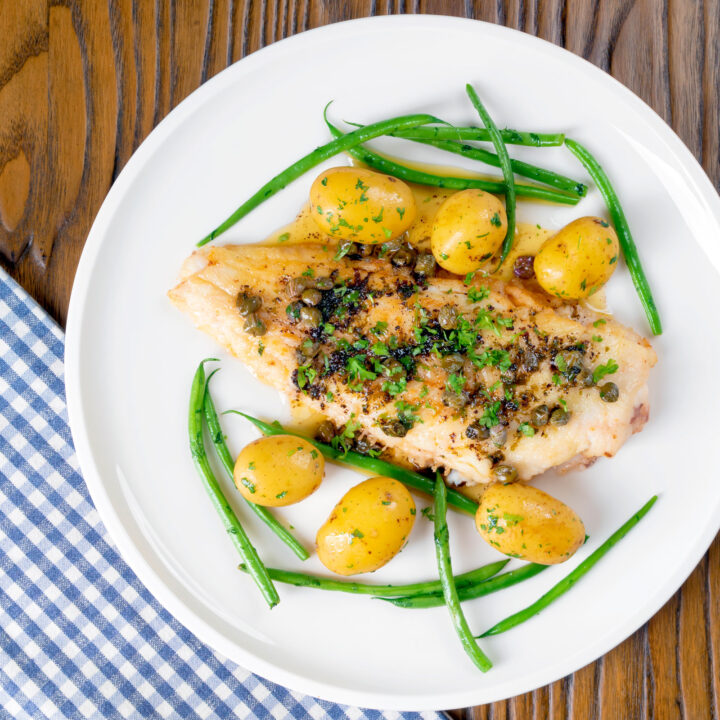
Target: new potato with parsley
279, 470
367, 528
468, 230
579, 259
525, 522
361, 205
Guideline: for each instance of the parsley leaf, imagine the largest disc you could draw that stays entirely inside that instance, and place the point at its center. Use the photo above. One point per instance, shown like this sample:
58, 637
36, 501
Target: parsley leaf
601, 371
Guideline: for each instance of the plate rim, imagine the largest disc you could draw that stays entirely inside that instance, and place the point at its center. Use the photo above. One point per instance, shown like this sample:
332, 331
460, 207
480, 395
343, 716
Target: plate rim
134, 557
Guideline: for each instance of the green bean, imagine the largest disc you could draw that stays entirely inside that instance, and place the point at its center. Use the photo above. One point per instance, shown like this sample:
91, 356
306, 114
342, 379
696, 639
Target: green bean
511, 137
627, 244
232, 525
569, 580
311, 160
470, 591
450, 593
519, 167
464, 580
485, 156
223, 452
409, 174
371, 465
507, 170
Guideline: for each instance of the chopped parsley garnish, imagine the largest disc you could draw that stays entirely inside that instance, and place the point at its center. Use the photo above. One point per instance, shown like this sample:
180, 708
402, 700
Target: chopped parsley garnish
455, 383
495, 220
598, 323
428, 513
526, 429
305, 375
395, 387
601, 371
284, 237
261, 348
476, 295
489, 417
248, 484
309, 273
356, 369
380, 327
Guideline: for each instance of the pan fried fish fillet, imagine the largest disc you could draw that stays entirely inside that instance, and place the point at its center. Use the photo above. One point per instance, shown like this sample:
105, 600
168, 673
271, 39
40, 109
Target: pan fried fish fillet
389, 361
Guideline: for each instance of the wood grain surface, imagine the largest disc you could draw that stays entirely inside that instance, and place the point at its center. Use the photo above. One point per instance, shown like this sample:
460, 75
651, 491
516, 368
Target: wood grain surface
82, 83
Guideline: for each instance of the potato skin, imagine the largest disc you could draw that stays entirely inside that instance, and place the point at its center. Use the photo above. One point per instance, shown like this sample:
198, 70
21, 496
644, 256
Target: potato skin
524, 522
367, 528
579, 259
278, 470
361, 205
468, 230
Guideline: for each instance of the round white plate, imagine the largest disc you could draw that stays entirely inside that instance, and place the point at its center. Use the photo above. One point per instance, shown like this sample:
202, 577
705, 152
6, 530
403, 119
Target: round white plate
131, 356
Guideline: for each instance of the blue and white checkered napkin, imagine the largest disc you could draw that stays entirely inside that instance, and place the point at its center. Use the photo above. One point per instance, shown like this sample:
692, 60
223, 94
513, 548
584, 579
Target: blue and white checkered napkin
80, 637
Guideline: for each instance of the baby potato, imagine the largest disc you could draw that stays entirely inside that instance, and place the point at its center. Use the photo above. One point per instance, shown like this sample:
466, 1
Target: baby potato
367, 528
278, 470
468, 230
579, 259
361, 205
524, 522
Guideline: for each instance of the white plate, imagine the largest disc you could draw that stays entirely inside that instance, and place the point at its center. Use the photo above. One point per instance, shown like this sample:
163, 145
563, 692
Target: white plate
131, 356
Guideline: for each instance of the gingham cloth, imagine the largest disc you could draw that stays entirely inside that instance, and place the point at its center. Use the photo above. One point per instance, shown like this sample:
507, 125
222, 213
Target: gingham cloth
80, 636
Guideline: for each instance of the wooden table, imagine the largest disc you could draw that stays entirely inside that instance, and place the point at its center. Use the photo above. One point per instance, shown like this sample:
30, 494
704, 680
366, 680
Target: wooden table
82, 83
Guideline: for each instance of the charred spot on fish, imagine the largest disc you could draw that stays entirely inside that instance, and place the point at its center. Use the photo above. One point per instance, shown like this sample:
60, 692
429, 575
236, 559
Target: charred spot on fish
406, 289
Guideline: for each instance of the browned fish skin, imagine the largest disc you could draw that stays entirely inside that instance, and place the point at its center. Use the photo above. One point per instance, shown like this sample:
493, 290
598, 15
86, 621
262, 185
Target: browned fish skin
389, 358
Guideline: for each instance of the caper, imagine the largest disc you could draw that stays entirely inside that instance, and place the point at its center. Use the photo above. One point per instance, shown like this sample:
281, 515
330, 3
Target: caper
476, 431
524, 267
447, 317
363, 445
559, 416
609, 392
456, 400
347, 247
529, 360
425, 264
293, 310
308, 350
392, 367
574, 362
498, 434
254, 325
324, 283
452, 363
394, 428
540, 416
509, 377
505, 473
403, 257
310, 316
296, 285
248, 304
325, 432
311, 297
585, 377
390, 247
